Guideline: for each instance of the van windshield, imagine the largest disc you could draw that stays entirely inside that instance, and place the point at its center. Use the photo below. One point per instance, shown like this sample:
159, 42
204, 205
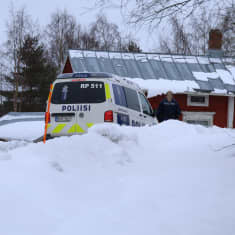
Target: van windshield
78, 92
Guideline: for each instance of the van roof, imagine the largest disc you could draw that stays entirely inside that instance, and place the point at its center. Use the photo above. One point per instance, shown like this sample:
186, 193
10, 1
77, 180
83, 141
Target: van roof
111, 77
84, 75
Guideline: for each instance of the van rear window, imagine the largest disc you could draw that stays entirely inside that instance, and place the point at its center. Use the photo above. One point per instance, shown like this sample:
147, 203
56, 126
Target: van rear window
78, 92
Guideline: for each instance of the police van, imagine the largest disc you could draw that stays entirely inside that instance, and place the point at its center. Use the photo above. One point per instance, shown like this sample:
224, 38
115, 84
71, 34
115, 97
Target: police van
80, 100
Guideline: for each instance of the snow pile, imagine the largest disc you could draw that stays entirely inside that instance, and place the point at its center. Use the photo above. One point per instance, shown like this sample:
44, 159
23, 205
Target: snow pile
231, 70
173, 178
226, 76
161, 86
202, 76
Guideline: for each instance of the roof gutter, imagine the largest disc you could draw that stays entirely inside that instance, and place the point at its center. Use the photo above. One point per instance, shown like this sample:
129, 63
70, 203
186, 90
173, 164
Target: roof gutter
207, 93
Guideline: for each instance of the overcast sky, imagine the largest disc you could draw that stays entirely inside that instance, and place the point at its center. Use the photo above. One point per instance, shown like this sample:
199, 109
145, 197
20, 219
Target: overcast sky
42, 9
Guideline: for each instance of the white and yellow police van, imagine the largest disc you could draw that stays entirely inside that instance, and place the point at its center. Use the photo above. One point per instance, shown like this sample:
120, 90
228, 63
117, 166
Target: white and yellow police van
80, 100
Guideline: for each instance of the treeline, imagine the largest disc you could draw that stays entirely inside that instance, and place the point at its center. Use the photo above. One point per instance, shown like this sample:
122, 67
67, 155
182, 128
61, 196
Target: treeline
32, 57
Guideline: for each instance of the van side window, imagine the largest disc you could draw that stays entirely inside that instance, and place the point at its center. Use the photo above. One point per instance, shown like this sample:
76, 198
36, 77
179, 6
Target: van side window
145, 105
119, 95
132, 99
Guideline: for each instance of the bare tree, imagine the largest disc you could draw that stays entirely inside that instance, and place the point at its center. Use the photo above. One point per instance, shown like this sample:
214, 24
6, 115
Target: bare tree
106, 33
88, 41
179, 41
62, 33
152, 12
192, 37
18, 25
228, 29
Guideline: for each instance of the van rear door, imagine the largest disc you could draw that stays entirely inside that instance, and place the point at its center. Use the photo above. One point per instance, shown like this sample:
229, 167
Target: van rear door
133, 105
78, 104
128, 108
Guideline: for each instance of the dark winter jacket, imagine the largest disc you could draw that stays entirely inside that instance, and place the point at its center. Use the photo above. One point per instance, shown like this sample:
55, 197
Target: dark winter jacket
168, 110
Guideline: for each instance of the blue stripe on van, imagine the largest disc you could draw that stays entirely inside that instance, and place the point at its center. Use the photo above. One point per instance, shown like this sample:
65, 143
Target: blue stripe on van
123, 119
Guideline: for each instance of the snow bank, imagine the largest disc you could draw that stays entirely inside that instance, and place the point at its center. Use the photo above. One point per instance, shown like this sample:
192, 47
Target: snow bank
22, 115
28, 130
173, 178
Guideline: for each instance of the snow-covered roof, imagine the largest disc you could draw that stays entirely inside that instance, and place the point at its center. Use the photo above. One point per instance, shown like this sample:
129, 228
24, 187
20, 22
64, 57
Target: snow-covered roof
161, 72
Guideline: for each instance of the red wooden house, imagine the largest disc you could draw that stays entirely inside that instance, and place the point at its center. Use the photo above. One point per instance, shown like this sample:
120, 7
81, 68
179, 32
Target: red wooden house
204, 86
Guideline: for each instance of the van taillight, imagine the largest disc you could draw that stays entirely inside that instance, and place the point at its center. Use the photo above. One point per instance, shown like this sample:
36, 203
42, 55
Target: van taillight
108, 116
47, 117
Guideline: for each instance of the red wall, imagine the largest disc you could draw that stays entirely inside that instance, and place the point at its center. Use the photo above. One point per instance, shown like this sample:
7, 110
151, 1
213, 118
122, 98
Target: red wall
67, 67
217, 104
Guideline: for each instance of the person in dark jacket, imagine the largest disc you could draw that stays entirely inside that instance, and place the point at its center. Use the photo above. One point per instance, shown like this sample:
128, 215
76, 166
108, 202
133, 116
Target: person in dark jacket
168, 108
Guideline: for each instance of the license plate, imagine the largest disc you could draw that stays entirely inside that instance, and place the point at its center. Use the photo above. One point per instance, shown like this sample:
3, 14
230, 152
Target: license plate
63, 118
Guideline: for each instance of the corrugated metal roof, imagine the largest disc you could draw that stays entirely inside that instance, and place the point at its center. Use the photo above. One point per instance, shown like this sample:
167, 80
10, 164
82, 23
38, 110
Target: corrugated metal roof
210, 74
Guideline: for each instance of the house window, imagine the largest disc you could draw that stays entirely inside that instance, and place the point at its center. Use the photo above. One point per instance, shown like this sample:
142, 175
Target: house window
201, 118
199, 122
198, 100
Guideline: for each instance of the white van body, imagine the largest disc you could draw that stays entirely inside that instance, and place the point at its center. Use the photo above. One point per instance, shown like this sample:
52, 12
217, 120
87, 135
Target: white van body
80, 100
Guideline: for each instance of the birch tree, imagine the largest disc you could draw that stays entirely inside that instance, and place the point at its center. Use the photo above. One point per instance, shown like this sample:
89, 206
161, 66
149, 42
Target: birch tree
18, 25
62, 33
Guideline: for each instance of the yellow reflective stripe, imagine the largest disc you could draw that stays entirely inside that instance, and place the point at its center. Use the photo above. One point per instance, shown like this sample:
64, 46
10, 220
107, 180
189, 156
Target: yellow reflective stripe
72, 129
107, 91
79, 129
76, 128
89, 125
58, 128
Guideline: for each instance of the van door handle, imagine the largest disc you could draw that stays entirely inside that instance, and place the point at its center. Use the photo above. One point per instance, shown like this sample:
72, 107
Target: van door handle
141, 115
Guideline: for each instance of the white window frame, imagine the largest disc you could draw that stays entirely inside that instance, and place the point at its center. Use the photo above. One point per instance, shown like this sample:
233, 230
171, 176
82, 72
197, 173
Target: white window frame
190, 103
199, 116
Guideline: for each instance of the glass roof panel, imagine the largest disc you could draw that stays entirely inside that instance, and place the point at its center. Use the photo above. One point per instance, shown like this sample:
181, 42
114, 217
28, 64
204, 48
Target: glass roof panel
216, 83
118, 64
183, 68
204, 86
105, 62
170, 67
131, 65
91, 61
157, 66
78, 64
144, 66
230, 88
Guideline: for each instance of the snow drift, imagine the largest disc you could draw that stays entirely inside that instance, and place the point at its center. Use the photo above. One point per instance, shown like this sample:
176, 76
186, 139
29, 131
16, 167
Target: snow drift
173, 178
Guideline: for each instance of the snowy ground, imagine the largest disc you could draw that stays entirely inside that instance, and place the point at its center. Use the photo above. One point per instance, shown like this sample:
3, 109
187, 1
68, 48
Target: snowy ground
173, 178
22, 130
22, 115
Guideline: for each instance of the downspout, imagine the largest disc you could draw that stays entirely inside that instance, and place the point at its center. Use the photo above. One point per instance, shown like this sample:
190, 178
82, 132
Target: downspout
230, 111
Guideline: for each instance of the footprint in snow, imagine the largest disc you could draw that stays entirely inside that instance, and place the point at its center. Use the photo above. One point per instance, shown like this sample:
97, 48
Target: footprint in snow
57, 166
